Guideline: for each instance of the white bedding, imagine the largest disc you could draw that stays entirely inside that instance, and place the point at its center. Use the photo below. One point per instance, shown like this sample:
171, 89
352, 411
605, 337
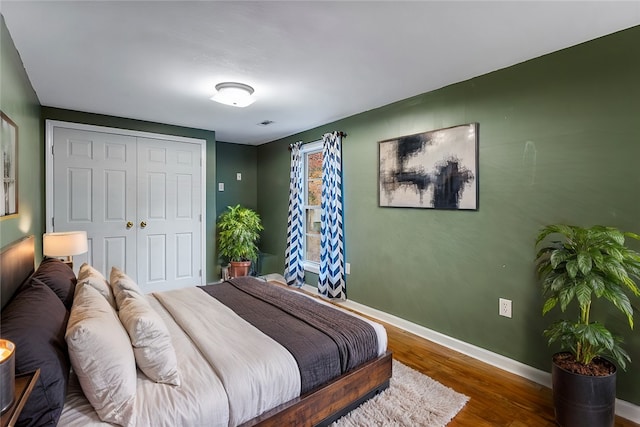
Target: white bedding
252, 371
200, 400
257, 372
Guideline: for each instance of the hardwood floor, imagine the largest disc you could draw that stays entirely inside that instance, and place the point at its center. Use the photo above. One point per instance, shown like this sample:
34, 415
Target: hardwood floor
498, 398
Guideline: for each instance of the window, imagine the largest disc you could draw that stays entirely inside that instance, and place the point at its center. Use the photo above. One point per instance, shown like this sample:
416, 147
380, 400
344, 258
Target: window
312, 159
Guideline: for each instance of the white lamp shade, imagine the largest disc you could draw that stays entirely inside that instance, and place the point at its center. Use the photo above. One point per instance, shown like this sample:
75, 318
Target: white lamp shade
65, 243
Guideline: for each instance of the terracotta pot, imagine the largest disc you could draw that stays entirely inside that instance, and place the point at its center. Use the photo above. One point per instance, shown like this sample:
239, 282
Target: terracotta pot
239, 268
582, 400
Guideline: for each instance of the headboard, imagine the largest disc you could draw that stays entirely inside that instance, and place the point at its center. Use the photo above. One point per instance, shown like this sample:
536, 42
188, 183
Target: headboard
17, 263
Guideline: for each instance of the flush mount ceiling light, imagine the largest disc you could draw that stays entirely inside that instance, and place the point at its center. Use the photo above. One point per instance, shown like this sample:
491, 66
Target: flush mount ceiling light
234, 94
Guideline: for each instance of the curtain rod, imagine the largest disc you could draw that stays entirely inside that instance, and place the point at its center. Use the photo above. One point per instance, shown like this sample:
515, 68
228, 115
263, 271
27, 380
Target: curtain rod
340, 134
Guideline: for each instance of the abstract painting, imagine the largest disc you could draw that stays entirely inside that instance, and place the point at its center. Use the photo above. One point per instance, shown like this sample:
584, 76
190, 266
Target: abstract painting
9, 166
434, 170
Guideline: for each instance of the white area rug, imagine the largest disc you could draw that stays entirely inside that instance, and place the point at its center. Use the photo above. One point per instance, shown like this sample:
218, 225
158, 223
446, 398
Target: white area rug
412, 400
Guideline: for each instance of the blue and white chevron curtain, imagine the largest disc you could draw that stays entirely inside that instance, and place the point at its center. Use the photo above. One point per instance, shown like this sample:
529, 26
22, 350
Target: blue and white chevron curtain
331, 280
294, 255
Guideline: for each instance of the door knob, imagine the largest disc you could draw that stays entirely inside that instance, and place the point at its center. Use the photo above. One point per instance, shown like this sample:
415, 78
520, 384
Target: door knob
143, 224
129, 225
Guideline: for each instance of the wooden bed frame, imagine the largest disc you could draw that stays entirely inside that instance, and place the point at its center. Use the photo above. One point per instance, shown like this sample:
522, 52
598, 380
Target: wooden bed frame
319, 407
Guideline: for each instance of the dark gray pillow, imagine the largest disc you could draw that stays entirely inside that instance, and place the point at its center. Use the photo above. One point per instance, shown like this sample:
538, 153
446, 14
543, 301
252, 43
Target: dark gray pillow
59, 277
36, 321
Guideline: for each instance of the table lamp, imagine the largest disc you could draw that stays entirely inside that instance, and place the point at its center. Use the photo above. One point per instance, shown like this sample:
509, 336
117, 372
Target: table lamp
65, 244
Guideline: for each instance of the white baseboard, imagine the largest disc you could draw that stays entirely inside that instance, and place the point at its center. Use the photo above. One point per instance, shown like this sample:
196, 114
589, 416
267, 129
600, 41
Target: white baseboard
624, 409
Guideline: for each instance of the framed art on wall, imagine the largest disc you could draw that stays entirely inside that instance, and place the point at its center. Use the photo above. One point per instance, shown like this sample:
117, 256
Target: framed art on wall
8, 166
434, 170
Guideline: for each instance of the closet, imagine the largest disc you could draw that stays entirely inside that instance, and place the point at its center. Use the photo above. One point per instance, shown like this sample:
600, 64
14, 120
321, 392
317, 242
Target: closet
139, 197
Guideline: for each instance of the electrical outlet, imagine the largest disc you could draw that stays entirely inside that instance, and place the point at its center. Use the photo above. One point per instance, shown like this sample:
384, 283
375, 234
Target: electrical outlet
221, 186
504, 307
238, 176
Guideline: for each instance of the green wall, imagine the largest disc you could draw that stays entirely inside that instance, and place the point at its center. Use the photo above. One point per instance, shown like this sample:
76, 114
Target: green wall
231, 160
559, 142
49, 113
20, 103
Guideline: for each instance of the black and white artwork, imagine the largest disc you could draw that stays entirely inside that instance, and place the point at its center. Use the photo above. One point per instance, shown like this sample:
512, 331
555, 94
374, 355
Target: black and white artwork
435, 170
8, 166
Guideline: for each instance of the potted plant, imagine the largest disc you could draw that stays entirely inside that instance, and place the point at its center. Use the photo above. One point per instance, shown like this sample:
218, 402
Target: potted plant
238, 231
586, 263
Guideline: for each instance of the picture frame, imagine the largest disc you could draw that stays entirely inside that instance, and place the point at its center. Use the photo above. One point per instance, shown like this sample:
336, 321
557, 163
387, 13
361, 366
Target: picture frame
437, 169
8, 166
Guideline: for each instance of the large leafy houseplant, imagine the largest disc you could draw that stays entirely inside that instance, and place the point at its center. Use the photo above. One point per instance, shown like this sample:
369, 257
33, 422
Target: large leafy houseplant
587, 263
238, 233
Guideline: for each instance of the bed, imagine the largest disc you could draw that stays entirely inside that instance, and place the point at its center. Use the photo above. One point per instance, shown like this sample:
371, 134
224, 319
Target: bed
214, 362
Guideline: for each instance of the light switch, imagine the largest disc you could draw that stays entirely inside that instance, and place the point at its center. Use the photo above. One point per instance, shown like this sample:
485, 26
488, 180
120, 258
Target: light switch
239, 176
221, 186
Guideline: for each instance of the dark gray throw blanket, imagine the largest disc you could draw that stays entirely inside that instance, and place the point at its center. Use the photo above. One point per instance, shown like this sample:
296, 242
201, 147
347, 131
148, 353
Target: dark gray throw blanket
325, 342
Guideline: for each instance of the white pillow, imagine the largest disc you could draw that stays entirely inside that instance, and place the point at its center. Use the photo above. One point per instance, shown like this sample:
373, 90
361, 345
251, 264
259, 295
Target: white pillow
89, 275
121, 282
152, 347
149, 335
101, 356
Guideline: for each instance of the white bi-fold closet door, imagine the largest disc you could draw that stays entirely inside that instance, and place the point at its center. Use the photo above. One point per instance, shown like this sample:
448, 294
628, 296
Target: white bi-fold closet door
139, 197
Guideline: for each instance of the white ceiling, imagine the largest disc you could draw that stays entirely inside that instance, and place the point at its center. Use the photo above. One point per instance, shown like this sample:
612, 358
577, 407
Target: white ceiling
310, 62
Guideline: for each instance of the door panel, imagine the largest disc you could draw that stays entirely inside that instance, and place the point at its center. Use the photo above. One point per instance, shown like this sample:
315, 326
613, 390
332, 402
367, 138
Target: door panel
184, 262
94, 175
156, 267
169, 201
115, 249
80, 195
184, 190
157, 196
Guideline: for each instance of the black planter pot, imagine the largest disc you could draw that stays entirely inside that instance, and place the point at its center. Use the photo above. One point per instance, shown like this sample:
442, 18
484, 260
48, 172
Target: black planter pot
582, 400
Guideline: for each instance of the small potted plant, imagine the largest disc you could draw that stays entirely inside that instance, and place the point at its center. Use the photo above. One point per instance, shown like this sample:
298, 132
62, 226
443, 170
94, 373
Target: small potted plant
584, 264
238, 232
